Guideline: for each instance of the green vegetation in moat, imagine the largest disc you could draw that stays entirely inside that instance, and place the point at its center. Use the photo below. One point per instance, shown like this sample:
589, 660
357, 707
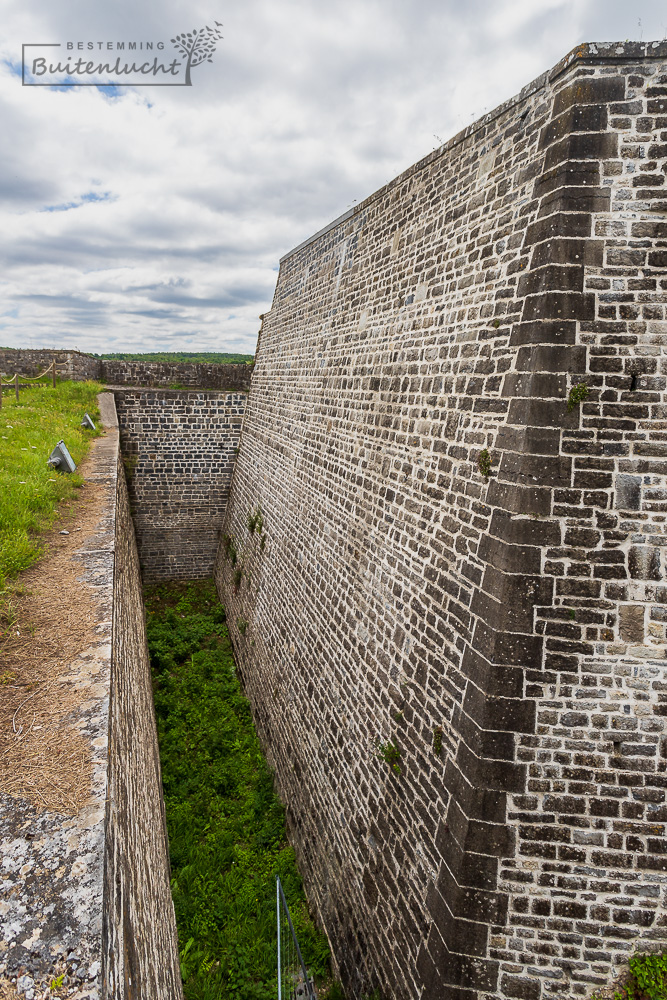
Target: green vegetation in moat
30, 490
226, 825
190, 357
647, 979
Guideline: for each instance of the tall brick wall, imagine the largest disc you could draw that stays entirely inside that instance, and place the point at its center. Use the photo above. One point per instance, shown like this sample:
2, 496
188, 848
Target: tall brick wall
179, 449
505, 634
233, 377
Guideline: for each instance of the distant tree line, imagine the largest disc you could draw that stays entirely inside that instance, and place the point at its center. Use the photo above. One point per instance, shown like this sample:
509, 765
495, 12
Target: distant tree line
191, 357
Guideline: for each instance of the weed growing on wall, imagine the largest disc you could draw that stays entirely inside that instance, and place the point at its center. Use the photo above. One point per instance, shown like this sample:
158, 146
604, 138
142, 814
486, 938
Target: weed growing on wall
650, 977
577, 394
30, 490
647, 979
484, 463
391, 754
255, 520
230, 549
226, 826
130, 465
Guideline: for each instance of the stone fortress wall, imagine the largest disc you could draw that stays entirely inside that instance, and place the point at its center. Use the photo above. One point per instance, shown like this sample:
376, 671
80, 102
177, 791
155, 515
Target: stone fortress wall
30, 362
179, 449
79, 367
139, 938
231, 378
461, 678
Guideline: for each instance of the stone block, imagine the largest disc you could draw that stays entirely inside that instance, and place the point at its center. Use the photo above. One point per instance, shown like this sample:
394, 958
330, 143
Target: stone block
631, 623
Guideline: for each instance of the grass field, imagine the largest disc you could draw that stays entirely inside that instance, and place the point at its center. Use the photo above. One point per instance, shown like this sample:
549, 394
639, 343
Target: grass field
30, 490
226, 826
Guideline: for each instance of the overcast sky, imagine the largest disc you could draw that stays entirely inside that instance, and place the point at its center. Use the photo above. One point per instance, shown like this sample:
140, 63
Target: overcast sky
154, 218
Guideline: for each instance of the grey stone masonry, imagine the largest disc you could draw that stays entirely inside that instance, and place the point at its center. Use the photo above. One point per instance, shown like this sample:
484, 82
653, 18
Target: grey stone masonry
229, 378
179, 449
456, 607
71, 365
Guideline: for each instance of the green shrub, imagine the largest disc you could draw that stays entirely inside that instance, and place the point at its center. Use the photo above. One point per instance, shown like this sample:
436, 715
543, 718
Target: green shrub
230, 549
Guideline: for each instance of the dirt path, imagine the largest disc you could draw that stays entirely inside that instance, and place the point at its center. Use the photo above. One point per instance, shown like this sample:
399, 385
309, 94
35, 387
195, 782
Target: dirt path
49, 621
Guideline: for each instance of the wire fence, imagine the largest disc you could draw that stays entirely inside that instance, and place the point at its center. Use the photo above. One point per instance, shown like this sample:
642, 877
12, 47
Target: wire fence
293, 980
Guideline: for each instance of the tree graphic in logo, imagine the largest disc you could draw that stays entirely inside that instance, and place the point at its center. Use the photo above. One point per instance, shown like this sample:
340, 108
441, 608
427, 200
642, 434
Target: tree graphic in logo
197, 46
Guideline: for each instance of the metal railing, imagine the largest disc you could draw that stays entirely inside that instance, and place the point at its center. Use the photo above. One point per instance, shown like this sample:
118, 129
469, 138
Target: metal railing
293, 980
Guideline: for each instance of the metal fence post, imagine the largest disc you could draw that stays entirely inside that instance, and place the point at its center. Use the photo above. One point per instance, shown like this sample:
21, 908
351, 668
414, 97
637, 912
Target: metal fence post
295, 958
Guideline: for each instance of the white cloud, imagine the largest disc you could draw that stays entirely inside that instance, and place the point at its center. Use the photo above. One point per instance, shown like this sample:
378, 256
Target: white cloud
155, 219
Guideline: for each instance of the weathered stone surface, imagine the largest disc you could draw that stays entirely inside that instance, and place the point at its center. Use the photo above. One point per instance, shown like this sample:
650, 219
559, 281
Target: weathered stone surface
397, 593
50, 893
631, 623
